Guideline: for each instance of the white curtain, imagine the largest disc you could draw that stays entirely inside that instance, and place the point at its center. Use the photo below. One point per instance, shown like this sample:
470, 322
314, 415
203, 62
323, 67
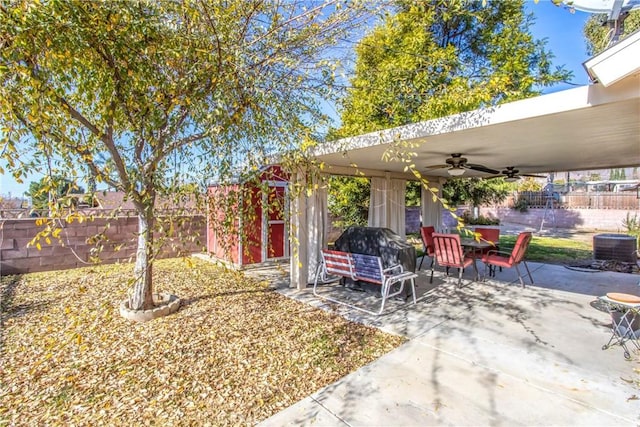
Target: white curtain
378, 202
396, 213
309, 219
432, 210
387, 204
317, 223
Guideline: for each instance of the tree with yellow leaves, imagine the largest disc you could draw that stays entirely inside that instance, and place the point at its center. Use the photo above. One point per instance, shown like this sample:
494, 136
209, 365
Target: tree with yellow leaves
146, 95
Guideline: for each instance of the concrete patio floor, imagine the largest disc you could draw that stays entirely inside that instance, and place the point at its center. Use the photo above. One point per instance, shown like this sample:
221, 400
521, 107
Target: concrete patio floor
490, 353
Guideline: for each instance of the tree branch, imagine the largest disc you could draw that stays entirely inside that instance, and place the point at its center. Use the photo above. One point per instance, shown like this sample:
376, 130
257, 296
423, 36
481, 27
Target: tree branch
292, 19
180, 143
106, 140
85, 154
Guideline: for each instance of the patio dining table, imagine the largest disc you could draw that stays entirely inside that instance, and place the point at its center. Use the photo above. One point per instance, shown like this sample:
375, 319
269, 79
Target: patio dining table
475, 247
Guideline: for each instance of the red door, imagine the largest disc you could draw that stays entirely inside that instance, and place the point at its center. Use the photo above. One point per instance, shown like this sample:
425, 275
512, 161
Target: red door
275, 227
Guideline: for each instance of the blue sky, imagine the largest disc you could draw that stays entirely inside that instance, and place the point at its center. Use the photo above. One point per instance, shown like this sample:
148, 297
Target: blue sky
563, 33
561, 28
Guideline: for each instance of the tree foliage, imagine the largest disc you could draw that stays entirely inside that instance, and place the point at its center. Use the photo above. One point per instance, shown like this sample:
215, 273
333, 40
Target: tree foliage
434, 58
413, 195
348, 199
57, 190
476, 191
598, 35
529, 184
146, 95
617, 174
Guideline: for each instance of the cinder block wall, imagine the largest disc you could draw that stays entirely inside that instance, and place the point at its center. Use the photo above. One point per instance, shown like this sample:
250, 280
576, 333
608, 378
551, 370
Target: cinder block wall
581, 219
611, 220
412, 218
79, 243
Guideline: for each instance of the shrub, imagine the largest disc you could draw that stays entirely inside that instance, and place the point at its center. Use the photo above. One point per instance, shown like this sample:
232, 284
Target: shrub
480, 220
521, 205
632, 224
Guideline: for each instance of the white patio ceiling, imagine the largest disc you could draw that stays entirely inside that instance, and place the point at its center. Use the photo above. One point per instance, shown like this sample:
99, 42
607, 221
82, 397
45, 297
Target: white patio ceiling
585, 128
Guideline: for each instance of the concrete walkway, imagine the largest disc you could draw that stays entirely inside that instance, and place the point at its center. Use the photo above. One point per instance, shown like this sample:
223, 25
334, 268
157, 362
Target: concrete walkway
490, 353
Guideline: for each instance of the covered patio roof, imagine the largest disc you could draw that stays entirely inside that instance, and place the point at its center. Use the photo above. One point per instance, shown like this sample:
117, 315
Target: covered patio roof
585, 128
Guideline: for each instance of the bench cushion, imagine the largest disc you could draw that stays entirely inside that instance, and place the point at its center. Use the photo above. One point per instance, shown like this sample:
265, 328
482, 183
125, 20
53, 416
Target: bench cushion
338, 263
368, 268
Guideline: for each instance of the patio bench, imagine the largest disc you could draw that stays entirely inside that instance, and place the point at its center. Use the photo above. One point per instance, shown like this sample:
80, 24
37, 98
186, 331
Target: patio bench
366, 268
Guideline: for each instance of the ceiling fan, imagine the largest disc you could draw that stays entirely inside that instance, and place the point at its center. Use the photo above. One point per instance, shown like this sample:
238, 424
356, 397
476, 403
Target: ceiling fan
511, 174
457, 164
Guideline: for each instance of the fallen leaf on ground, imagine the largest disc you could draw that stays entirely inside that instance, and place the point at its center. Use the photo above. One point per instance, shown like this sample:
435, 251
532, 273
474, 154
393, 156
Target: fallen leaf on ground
236, 352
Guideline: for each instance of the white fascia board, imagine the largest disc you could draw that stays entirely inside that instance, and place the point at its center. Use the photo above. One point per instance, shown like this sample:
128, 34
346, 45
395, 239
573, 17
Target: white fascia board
617, 62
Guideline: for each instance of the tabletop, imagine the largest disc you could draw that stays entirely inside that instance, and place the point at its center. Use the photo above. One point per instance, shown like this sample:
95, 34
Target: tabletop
469, 242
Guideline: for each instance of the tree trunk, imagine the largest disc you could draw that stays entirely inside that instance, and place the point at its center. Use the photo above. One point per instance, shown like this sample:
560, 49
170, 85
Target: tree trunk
142, 298
475, 211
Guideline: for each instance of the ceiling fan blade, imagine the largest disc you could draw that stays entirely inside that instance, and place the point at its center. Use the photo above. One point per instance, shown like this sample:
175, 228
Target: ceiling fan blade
501, 176
437, 166
481, 168
532, 176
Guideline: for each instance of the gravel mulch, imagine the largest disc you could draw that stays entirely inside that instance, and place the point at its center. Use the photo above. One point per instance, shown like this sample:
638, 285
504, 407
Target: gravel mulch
235, 353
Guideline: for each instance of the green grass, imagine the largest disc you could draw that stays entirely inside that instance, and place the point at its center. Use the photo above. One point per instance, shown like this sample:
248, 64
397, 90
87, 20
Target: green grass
553, 250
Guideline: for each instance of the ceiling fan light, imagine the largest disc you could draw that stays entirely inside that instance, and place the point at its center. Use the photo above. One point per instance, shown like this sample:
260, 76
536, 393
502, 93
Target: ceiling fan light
511, 179
455, 171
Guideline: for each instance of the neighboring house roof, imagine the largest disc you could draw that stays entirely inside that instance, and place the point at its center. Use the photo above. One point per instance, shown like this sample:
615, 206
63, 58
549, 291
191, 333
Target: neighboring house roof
111, 200
270, 172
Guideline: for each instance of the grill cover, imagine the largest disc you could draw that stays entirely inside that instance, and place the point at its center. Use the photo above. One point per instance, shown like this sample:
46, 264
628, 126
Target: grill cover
381, 242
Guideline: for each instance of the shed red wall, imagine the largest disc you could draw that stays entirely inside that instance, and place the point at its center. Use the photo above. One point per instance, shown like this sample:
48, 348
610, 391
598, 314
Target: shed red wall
232, 243
252, 225
222, 243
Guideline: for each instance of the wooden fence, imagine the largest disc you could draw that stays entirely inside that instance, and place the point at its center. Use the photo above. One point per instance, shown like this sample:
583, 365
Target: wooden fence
577, 200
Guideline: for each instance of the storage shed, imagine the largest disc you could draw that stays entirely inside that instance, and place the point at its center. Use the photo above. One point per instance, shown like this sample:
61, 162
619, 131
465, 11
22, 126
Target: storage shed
247, 219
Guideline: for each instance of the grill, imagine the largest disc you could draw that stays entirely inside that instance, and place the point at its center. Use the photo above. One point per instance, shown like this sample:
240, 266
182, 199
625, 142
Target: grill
377, 241
618, 247
381, 242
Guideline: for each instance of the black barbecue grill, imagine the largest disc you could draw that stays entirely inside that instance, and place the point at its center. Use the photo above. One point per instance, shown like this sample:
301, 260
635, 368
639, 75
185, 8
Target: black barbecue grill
377, 241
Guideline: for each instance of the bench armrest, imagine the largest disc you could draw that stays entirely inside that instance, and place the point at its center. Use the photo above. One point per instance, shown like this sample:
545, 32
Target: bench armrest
391, 269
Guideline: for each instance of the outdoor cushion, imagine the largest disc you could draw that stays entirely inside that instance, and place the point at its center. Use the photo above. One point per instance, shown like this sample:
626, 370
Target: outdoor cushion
497, 260
633, 299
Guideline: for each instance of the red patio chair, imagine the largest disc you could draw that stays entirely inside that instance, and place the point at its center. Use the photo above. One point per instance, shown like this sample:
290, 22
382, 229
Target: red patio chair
427, 243
491, 235
448, 253
510, 259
